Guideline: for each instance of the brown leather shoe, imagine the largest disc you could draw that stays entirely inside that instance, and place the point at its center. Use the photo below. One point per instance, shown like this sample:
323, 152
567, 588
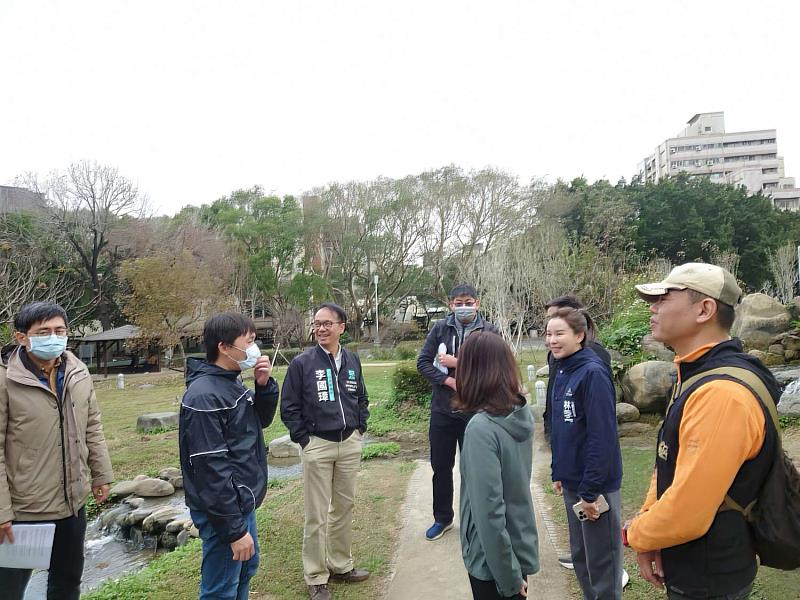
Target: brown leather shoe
319, 592
354, 576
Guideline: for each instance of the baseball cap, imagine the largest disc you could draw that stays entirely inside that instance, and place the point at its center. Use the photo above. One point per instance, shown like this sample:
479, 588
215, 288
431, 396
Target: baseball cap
711, 280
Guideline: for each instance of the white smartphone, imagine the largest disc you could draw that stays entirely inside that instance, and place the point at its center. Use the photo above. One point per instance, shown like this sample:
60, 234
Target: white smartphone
582, 516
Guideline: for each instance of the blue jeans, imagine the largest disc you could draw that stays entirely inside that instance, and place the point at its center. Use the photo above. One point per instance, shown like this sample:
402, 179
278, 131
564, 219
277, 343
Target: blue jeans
221, 577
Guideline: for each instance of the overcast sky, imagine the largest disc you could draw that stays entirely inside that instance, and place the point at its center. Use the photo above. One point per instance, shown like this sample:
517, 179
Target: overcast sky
193, 99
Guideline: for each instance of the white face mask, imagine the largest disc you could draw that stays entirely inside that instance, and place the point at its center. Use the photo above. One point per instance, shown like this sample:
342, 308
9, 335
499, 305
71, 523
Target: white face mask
253, 354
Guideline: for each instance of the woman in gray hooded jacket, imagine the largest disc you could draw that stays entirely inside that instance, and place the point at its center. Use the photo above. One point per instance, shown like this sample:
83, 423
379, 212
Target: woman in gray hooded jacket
499, 542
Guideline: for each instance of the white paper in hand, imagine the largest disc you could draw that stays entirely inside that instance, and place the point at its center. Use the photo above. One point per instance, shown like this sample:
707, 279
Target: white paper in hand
33, 544
442, 350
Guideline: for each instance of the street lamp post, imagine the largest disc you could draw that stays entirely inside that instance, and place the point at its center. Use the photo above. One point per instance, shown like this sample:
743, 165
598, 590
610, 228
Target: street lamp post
377, 334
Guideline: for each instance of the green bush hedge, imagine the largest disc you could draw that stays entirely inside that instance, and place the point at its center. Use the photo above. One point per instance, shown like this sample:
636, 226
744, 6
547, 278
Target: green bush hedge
409, 387
625, 331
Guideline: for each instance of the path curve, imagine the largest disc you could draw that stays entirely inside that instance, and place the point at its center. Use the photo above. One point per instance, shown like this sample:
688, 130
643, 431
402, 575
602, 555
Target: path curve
426, 570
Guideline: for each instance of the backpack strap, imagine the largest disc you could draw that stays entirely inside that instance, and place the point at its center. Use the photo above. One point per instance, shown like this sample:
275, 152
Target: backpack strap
756, 386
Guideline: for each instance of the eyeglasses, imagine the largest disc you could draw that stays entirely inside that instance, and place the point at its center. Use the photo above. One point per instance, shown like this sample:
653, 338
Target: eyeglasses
324, 324
459, 304
61, 331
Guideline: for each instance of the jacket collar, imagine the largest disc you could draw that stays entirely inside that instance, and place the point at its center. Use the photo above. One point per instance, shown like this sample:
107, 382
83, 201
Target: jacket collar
577, 360
18, 372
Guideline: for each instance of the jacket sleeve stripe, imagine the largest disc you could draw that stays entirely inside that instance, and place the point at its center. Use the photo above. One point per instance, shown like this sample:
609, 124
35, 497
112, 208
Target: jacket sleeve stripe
235, 404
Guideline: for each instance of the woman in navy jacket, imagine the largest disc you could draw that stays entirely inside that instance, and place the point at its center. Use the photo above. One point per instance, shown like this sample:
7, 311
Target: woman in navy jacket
586, 463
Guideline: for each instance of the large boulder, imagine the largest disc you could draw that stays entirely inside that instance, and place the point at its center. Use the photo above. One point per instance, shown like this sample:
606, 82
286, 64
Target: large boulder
153, 488
627, 413
178, 525
786, 375
163, 420
135, 518
169, 473
123, 488
113, 516
790, 400
759, 318
182, 537
283, 447
647, 385
657, 349
156, 521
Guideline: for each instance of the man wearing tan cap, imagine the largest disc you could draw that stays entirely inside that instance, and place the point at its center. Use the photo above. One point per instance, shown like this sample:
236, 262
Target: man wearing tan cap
714, 447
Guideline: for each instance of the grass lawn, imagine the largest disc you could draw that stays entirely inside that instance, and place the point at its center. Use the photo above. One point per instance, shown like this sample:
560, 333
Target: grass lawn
134, 452
381, 491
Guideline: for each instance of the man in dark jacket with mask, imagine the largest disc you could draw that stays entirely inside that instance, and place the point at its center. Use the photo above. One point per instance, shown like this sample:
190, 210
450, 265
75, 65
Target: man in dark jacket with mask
437, 363
223, 456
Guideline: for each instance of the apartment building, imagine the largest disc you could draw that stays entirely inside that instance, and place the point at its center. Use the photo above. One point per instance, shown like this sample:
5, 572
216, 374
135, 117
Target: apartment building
705, 149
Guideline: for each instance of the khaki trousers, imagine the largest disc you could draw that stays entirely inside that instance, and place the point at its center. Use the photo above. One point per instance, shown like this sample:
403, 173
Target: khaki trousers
330, 470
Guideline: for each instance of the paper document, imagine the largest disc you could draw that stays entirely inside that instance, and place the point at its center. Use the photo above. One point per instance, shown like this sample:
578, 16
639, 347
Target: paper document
33, 543
442, 350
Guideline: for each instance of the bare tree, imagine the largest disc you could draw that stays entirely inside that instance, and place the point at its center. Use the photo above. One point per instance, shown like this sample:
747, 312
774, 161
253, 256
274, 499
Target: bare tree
783, 264
29, 269
87, 202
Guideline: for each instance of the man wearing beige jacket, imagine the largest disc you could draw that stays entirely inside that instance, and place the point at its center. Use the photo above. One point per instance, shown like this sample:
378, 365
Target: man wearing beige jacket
52, 449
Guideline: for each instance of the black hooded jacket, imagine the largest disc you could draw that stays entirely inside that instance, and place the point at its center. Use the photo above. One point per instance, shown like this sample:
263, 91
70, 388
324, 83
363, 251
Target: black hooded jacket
223, 456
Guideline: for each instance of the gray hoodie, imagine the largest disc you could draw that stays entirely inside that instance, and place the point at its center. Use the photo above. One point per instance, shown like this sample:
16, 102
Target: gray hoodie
498, 530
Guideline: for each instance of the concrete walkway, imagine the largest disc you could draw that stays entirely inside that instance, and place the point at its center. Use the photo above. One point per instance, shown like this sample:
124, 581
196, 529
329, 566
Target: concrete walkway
434, 570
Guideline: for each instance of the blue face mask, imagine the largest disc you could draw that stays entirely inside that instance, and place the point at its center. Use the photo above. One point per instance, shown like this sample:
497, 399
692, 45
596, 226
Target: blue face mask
48, 347
253, 354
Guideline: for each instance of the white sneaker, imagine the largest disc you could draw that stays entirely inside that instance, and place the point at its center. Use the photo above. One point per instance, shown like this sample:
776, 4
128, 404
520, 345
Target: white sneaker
566, 562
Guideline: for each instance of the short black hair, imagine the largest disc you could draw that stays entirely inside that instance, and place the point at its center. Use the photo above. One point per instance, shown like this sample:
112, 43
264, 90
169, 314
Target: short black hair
568, 301
335, 308
224, 327
37, 312
726, 314
463, 289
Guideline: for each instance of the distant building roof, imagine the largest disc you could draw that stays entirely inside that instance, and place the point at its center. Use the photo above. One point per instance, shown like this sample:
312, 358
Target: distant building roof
16, 199
110, 335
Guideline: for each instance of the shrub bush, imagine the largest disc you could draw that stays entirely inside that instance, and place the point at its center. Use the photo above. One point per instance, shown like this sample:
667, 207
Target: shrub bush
392, 331
626, 329
409, 387
408, 350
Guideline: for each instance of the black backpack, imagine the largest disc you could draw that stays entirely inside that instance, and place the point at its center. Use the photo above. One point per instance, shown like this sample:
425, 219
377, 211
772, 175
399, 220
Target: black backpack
774, 516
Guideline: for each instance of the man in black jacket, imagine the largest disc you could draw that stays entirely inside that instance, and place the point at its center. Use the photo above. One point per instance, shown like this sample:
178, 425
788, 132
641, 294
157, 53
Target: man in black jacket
437, 363
325, 407
223, 456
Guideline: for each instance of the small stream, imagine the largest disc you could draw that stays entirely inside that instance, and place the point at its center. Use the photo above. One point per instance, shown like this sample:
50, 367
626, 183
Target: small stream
109, 555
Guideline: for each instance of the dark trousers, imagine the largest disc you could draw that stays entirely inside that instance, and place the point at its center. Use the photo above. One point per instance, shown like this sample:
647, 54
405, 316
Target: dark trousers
596, 549
487, 590
66, 564
740, 595
445, 433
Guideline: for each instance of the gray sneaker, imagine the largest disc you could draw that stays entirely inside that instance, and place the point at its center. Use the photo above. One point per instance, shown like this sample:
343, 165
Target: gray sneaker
319, 592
